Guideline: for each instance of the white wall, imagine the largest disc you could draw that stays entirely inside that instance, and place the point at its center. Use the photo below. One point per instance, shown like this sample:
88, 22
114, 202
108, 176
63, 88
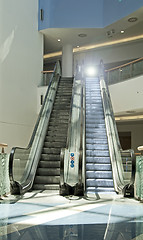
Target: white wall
127, 95
21, 50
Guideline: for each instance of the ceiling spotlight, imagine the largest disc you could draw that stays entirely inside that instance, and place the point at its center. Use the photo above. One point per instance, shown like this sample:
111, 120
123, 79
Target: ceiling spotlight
132, 19
59, 40
122, 31
77, 46
91, 71
82, 35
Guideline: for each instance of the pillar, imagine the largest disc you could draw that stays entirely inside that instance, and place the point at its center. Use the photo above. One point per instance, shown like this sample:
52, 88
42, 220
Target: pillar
67, 61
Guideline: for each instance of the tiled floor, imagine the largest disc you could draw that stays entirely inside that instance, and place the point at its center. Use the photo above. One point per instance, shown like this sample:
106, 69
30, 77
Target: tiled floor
49, 216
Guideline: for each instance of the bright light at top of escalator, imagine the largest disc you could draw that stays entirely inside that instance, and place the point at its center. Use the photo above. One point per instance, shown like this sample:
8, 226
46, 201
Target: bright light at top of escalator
91, 71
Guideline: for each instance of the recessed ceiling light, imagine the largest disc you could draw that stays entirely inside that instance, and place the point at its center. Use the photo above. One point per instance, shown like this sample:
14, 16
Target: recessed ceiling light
132, 19
122, 31
59, 40
82, 35
77, 46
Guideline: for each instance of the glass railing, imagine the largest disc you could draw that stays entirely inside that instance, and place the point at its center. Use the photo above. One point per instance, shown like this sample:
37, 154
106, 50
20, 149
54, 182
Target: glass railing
122, 184
46, 77
124, 72
23, 161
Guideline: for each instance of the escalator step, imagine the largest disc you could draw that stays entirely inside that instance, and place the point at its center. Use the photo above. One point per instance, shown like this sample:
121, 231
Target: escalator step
99, 182
96, 141
48, 172
97, 159
51, 157
46, 187
98, 167
54, 144
98, 174
97, 146
49, 164
57, 139
97, 153
94, 135
47, 179
99, 189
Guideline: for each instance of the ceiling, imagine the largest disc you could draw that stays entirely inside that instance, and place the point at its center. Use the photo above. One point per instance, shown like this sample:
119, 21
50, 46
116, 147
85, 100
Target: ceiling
93, 36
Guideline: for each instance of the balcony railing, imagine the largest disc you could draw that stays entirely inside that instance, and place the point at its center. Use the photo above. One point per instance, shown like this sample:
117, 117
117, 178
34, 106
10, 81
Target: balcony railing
124, 72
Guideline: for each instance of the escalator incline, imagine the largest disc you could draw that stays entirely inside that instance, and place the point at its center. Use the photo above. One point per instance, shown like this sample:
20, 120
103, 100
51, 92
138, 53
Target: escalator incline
98, 165
48, 171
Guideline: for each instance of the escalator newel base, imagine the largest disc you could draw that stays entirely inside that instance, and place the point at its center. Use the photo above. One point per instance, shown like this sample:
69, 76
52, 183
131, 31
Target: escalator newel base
128, 191
15, 188
78, 190
66, 190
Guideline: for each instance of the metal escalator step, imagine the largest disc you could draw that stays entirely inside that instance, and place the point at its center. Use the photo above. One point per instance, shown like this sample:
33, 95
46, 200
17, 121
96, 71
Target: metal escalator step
51, 157
54, 144
64, 94
99, 183
96, 125
61, 107
101, 131
96, 141
98, 167
48, 172
47, 179
49, 164
62, 104
57, 139
94, 111
46, 187
96, 114
97, 159
96, 118
99, 189
62, 99
97, 153
51, 150
58, 118
60, 113
96, 136
59, 127
90, 174
97, 147
92, 120
58, 122
57, 133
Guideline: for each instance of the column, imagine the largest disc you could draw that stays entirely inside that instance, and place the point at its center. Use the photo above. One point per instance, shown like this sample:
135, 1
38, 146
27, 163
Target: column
67, 61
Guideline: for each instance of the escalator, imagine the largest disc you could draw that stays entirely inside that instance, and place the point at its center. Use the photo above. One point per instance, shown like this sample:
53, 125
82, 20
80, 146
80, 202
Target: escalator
98, 165
48, 170
101, 169
37, 167
75, 145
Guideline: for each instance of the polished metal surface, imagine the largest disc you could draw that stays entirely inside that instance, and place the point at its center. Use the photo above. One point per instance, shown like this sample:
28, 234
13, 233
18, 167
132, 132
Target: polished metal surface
46, 215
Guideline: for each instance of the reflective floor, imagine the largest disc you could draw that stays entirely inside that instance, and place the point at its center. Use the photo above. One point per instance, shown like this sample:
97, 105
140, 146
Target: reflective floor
44, 215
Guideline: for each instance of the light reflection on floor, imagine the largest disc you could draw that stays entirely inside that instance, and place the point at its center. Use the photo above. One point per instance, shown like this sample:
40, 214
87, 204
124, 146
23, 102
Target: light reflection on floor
49, 216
